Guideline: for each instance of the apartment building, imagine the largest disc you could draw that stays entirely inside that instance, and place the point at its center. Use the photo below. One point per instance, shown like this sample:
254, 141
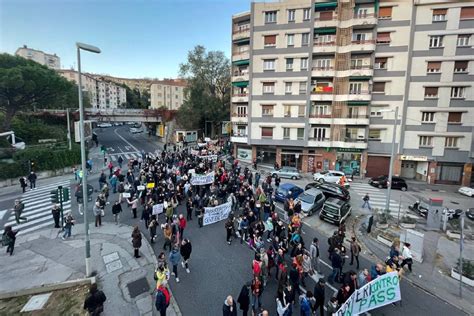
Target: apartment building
49, 60
169, 93
102, 94
316, 85
140, 84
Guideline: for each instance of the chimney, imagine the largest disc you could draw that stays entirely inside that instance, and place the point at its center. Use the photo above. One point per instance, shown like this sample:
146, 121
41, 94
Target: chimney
24, 46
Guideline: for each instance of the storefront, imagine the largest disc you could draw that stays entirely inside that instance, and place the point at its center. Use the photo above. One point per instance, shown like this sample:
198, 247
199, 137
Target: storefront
414, 167
348, 160
266, 155
292, 158
244, 153
449, 173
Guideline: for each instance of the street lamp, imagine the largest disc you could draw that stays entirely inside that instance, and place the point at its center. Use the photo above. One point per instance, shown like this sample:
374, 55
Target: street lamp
96, 50
392, 157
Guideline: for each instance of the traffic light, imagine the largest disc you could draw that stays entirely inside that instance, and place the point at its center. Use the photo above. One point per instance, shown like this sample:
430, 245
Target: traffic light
55, 196
65, 194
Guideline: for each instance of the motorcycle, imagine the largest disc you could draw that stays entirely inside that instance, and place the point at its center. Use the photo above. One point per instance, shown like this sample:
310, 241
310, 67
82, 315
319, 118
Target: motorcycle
419, 208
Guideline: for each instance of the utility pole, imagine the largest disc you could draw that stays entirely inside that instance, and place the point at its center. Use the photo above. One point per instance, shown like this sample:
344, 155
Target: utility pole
392, 158
399, 207
461, 245
68, 129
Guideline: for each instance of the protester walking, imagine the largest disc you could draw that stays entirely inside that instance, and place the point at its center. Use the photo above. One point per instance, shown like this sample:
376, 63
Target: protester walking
314, 254
9, 238
94, 302
355, 250
32, 178
366, 200
68, 223
185, 250
18, 209
162, 298
230, 307
257, 289
136, 241
175, 258
407, 256
56, 212
244, 299
320, 296
23, 184
97, 210
116, 210
152, 229
336, 264
133, 202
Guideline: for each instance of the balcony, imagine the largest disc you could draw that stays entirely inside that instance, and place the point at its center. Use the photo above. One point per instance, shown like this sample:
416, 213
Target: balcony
356, 143
319, 142
352, 119
321, 95
365, 20
320, 118
239, 118
240, 76
361, 71
240, 98
322, 71
363, 95
324, 47
240, 55
241, 33
239, 138
363, 45
325, 21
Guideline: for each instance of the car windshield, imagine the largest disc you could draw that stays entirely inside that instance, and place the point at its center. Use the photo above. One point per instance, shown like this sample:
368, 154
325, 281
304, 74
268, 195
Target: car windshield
282, 191
323, 172
424, 205
331, 209
306, 198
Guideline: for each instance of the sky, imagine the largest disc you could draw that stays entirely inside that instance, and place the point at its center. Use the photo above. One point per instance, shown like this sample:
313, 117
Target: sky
138, 38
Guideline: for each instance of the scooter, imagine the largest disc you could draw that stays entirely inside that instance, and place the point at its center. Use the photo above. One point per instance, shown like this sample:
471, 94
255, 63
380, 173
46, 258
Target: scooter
419, 209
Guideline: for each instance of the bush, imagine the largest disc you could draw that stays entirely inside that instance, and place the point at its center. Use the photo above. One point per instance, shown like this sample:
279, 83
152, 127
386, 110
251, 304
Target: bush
13, 170
467, 268
408, 220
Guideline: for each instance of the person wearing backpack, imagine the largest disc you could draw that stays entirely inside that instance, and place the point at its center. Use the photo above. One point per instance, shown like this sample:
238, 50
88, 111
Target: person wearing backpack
94, 302
9, 238
162, 298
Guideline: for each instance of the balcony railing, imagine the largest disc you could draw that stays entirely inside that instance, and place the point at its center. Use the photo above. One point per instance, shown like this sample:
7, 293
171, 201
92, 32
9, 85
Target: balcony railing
314, 90
241, 30
239, 115
333, 18
239, 135
240, 94
367, 41
362, 67
240, 52
355, 140
323, 67
359, 92
364, 15
320, 115
330, 43
319, 139
239, 73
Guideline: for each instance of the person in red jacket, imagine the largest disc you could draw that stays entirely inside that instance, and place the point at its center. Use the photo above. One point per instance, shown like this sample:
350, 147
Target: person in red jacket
181, 225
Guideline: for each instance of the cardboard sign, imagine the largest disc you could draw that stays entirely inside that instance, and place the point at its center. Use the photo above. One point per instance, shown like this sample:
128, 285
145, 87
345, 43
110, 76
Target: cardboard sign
126, 195
157, 209
140, 187
150, 185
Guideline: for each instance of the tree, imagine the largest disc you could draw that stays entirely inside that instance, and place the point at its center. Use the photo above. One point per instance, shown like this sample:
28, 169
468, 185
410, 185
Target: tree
136, 99
26, 85
208, 88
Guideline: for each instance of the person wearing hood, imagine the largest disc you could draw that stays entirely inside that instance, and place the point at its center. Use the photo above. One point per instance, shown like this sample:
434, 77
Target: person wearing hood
94, 302
175, 258
185, 250
244, 299
229, 308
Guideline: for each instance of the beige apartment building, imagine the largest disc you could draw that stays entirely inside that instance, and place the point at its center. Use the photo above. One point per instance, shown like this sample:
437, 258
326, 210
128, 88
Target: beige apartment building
316, 85
49, 60
140, 84
169, 93
102, 94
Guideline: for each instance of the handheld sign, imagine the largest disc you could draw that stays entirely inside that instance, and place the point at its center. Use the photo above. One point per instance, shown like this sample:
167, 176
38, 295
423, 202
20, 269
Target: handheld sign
150, 185
140, 187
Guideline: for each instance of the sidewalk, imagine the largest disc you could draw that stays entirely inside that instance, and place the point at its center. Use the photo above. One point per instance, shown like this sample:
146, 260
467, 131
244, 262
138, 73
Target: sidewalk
433, 275
43, 258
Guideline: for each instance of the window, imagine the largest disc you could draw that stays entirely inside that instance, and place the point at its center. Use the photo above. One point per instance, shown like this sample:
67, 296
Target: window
267, 132
457, 92
286, 133
289, 64
323, 63
359, 37
319, 133
467, 13
378, 87
427, 117
301, 110
383, 38
269, 40
431, 92
306, 14
304, 64
270, 17
268, 87
436, 41
290, 40
355, 88
291, 15
269, 64
463, 40
439, 15
267, 110
305, 39
288, 87
242, 111
460, 66
454, 117
287, 110
324, 39
451, 142
385, 13
374, 134
380, 63
361, 13
375, 112
300, 133
356, 63
433, 67
426, 141
302, 89
241, 130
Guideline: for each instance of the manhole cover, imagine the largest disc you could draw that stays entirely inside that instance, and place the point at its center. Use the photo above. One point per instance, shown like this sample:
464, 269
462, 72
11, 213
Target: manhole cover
36, 302
138, 287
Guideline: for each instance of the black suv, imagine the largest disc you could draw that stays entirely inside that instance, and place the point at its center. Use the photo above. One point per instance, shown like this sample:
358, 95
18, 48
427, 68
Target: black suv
335, 211
381, 183
330, 190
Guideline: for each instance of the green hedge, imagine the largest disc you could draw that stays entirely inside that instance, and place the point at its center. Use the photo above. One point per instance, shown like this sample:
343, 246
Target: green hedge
44, 158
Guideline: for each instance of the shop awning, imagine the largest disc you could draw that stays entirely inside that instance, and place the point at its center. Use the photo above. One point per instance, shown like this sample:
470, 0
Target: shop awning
242, 41
325, 30
241, 62
358, 103
360, 78
240, 84
325, 6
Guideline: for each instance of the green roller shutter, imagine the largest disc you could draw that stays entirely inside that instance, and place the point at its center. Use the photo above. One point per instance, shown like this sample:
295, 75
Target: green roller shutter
325, 6
358, 103
241, 62
325, 30
240, 84
242, 41
360, 78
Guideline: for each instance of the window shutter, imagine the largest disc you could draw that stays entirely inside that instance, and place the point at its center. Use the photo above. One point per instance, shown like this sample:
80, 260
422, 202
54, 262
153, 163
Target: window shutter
435, 65
267, 132
454, 117
325, 15
460, 65
270, 40
385, 12
381, 60
440, 11
431, 91
467, 13
378, 87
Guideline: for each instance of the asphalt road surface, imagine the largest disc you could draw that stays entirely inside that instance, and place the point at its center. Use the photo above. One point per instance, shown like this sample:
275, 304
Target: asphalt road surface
219, 269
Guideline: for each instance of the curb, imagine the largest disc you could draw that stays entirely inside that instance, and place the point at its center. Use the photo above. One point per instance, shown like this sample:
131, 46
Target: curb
48, 288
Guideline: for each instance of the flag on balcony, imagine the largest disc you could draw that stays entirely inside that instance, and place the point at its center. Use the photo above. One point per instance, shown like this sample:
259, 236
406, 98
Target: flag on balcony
327, 89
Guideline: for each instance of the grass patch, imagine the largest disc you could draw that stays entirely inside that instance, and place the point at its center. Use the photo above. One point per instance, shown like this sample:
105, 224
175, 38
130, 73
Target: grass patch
69, 301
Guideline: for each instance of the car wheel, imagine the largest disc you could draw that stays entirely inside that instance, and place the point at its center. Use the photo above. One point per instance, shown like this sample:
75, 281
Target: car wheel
380, 186
404, 189
321, 180
293, 178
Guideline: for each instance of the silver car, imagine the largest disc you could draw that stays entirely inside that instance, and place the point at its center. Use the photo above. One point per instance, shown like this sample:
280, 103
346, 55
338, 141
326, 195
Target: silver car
287, 172
312, 200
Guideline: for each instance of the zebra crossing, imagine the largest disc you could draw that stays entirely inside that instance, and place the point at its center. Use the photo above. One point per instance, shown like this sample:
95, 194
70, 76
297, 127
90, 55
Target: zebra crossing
125, 156
378, 198
37, 209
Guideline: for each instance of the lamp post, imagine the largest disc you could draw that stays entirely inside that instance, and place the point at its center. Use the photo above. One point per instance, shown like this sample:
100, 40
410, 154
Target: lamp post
96, 50
68, 129
392, 158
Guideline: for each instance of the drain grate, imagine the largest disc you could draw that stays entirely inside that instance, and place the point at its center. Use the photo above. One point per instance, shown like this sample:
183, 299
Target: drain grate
138, 287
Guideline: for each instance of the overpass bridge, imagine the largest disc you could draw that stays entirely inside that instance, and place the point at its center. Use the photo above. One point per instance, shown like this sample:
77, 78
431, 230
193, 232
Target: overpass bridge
112, 115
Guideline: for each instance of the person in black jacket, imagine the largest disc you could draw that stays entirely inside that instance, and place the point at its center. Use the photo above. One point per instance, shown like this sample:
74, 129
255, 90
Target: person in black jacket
320, 296
229, 308
116, 210
244, 299
185, 250
336, 263
9, 238
94, 302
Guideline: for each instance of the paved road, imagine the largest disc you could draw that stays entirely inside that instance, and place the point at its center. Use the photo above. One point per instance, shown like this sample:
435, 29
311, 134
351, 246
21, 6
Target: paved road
219, 269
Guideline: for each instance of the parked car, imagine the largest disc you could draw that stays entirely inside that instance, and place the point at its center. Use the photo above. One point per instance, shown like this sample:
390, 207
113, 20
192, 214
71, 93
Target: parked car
103, 125
470, 213
466, 191
286, 191
135, 130
287, 172
118, 123
331, 176
382, 181
335, 211
312, 200
331, 190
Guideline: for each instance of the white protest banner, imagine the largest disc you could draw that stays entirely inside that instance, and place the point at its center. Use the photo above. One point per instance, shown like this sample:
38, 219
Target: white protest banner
157, 209
192, 171
202, 179
140, 187
213, 158
380, 292
194, 152
126, 195
202, 144
216, 214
